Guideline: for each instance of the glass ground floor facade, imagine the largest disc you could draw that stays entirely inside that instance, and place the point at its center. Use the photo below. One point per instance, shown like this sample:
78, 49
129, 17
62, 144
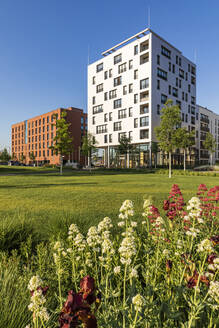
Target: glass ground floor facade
142, 155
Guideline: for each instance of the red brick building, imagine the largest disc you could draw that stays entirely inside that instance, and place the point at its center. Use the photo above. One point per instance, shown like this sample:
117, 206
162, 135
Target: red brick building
35, 136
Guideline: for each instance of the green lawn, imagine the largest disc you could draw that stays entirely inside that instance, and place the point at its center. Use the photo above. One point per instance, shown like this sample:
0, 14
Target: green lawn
44, 203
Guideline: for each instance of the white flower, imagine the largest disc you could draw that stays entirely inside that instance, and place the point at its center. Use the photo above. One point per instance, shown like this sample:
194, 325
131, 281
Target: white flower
192, 232
57, 246
121, 223
126, 210
128, 248
37, 299
214, 291
138, 301
73, 228
34, 283
93, 238
209, 275
117, 269
133, 224
133, 273
166, 252
106, 224
205, 246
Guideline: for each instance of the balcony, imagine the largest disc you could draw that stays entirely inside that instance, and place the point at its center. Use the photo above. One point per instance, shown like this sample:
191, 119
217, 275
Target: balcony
204, 119
144, 96
144, 58
144, 46
144, 109
204, 128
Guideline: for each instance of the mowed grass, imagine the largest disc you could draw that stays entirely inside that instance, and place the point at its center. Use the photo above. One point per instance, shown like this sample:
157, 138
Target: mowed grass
44, 204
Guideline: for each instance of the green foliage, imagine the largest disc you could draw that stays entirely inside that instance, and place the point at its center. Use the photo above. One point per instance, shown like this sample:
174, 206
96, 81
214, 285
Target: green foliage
4, 155
168, 301
32, 156
184, 138
62, 140
170, 121
89, 144
125, 145
210, 143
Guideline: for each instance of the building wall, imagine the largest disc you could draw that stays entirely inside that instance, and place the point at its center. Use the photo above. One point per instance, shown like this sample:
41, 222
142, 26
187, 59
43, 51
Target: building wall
148, 70
36, 135
208, 122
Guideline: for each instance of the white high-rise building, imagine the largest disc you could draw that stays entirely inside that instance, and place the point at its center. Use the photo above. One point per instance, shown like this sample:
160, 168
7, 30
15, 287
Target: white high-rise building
208, 122
127, 88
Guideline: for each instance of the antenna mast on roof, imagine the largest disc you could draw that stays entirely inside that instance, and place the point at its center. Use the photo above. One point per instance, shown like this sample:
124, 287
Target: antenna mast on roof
149, 17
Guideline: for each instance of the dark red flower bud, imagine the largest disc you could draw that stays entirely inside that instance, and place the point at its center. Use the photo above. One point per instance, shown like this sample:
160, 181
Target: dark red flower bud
169, 265
215, 239
166, 204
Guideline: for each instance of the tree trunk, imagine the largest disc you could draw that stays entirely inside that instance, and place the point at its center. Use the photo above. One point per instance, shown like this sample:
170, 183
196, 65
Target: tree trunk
184, 164
155, 160
89, 161
61, 163
169, 164
128, 160
211, 159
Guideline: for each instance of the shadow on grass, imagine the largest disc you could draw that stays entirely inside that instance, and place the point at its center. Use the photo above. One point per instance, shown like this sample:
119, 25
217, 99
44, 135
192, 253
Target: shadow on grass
31, 186
69, 172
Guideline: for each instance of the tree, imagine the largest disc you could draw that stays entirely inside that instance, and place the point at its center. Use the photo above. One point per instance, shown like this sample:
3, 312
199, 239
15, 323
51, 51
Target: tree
5, 156
154, 150
22, 157
32, 157
184, 139
125, 147
88, 146
166, 132
210, 145
62, 142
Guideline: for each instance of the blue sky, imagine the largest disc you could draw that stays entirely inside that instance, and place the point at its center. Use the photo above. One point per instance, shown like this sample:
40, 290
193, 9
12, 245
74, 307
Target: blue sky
44, 48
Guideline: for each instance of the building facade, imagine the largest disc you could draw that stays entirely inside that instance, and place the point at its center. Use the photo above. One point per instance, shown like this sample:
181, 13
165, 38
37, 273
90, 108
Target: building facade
34, 137
208, 122
127, 89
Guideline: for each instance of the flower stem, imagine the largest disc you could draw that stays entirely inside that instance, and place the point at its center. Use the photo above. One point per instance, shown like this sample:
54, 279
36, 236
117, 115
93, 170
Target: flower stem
124, 295
134, 323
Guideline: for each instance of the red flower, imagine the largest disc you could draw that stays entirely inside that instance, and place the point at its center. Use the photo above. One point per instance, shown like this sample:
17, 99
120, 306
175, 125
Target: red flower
77, 307
166, 204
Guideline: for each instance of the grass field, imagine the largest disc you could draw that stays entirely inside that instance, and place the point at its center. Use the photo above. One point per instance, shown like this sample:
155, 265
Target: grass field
42, 203
39, 205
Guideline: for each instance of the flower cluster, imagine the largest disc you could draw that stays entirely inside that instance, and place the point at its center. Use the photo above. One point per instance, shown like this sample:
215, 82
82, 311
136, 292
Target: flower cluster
149, 211
127, 248
205, 246
138, 301
126, 211
38, 299
93, 238
214, 293
174, 204
207, 200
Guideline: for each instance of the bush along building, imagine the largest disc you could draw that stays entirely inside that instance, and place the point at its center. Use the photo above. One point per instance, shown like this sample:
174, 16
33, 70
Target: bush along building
32, 139
127, 89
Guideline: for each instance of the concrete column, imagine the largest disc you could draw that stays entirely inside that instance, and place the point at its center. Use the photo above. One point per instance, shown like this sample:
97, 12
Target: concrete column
105, 157
108, 156
150, 154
